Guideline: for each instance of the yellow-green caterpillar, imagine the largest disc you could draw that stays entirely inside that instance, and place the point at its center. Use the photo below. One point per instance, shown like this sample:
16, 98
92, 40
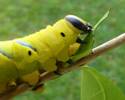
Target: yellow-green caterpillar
23, 58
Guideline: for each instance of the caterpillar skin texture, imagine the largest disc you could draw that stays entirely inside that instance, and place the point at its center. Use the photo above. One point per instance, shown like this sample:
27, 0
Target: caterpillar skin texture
22, 58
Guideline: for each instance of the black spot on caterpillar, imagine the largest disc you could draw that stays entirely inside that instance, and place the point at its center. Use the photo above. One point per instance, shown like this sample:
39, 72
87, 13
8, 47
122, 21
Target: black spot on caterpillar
29, 53
62, 34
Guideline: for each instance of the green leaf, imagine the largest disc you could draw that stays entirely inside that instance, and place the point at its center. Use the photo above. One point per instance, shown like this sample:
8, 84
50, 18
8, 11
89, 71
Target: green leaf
101, 20
86, 47
95, 86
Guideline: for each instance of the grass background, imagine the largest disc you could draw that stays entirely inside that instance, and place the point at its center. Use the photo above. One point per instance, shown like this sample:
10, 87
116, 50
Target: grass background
22, 17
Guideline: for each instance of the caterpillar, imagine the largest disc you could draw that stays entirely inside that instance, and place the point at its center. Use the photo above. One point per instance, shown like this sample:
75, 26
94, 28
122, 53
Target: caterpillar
23, 58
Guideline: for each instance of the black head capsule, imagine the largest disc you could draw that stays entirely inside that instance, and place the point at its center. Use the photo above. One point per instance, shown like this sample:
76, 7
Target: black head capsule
79, 24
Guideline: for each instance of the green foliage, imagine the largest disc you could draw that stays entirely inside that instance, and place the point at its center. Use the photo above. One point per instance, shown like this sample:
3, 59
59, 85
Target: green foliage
95, 86
29, 96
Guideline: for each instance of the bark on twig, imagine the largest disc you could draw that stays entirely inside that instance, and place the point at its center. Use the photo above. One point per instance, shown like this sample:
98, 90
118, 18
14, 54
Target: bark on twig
99, 50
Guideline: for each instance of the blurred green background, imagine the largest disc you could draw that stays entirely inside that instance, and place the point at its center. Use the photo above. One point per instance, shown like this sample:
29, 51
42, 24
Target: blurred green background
22, 17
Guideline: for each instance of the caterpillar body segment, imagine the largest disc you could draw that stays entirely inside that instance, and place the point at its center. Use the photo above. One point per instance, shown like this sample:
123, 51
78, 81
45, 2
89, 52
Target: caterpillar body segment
8, 72
23, 58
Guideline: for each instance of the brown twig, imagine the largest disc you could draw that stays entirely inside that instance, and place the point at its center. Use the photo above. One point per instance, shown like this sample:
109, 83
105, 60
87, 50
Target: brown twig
95, 53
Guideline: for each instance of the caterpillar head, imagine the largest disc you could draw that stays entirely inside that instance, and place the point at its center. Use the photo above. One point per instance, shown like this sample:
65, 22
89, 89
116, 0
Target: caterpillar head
79, 24
71, 27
